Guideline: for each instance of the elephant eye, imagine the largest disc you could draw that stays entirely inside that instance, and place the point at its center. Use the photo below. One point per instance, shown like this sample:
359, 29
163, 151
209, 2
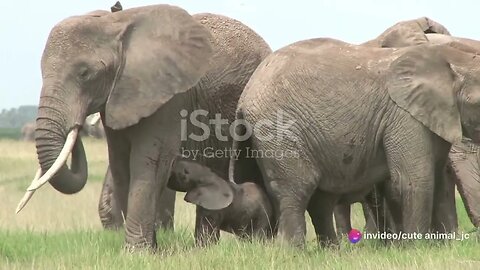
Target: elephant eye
84, 73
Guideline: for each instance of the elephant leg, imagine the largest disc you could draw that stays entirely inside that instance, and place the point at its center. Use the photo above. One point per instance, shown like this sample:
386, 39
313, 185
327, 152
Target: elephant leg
464, 169
290, 191
149, 174
320, 208
444, 211
370, 224
412, 178
374, 210
119, 168
342, 218
165, 210
108, 208
207, 230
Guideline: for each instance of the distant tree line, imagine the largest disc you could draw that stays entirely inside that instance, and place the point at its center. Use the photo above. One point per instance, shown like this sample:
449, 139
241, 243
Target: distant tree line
15, 118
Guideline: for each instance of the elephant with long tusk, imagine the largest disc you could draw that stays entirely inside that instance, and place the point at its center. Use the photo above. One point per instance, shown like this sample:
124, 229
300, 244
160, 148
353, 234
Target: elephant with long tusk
145, 70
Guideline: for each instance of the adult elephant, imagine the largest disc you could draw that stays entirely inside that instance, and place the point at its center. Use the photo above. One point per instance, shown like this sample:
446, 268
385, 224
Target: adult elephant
462, 168
111, 215
238, 50
143, 69
357, 116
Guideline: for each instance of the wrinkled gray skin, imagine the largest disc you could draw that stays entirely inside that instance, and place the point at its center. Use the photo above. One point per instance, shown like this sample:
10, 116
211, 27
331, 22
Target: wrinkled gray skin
112, 217
465, 160
109, 211
361, 115
139, 68
95, 131
28, 131
462, 167
242, 209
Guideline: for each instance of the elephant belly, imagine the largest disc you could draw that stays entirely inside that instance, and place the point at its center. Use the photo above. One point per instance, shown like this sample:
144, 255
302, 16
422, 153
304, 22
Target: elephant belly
357, 176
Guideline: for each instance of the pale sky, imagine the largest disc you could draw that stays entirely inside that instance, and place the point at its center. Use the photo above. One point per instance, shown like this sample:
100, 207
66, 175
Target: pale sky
25, 25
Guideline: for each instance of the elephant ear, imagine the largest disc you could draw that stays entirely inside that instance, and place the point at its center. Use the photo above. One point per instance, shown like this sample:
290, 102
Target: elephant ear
165, 52
410, 33
214, 195
404, 36
422, 82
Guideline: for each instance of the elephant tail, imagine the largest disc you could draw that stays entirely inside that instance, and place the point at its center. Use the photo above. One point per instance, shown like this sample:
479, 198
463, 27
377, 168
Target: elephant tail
242, 167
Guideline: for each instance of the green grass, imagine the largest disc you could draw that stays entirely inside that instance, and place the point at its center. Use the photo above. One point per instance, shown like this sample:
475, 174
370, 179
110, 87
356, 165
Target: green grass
56, 231
10, 133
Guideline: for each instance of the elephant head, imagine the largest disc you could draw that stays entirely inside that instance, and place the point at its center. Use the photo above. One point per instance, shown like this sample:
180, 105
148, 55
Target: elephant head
407, 33
242, 209
125, 65
203, 187
439, 86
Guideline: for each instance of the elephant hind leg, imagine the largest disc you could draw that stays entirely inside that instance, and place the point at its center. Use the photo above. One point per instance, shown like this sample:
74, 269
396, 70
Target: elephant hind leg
290, 190
444, 211
320, 208
108, 208
342, 218
165, 210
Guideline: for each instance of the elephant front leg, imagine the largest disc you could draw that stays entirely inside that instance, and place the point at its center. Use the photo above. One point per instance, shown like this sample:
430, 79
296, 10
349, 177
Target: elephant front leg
411, 187
149, 174
114, 195
207, 230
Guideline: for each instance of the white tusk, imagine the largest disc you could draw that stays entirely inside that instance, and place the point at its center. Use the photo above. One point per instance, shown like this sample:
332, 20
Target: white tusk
28, 194
94, 120
59, 162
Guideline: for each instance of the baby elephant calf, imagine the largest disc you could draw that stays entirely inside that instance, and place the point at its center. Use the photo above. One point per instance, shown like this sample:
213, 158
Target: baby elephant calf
241, 209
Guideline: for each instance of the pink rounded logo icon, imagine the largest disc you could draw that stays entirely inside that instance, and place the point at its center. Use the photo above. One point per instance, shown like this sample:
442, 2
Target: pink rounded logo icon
354, 236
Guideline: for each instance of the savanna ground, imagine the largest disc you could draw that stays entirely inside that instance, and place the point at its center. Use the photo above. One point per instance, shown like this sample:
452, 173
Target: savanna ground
56, 231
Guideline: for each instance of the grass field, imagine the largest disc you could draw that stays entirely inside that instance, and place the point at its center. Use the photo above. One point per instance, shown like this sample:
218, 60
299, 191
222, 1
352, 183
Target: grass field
56, 231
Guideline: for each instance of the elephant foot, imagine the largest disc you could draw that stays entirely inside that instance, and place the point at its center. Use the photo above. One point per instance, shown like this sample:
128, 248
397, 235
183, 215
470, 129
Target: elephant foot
144, 244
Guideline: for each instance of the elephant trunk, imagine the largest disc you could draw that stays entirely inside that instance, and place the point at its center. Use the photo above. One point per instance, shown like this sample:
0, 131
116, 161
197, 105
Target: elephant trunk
53, 147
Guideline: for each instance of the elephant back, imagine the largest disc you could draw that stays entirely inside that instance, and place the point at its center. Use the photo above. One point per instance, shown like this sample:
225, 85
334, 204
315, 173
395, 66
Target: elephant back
238, 50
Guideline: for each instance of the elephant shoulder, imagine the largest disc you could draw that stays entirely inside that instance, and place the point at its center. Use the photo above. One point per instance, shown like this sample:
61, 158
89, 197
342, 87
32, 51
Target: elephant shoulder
233, 36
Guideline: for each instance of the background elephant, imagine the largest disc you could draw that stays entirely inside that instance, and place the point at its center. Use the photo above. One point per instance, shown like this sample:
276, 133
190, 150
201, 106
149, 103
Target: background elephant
147, 70
93, 127
464, 174
28, 131
360, 115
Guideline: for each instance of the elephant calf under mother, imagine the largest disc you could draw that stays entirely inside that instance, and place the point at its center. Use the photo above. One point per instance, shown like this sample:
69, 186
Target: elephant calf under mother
358, 116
